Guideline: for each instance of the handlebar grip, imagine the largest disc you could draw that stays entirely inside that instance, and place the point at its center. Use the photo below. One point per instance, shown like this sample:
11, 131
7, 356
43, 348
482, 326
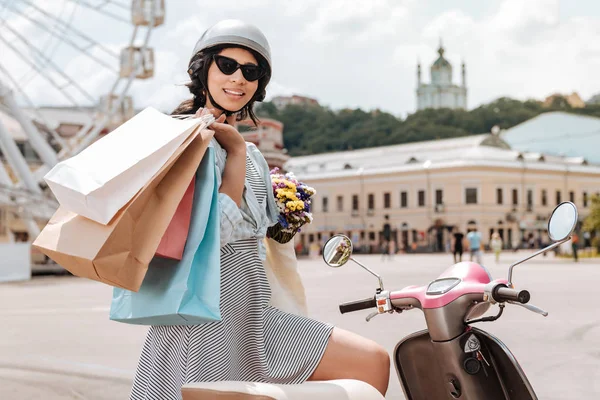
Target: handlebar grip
503, 293
358, 305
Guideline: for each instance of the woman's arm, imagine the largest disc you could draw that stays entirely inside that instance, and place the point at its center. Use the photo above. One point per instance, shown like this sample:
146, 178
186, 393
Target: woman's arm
234, 175
230, 159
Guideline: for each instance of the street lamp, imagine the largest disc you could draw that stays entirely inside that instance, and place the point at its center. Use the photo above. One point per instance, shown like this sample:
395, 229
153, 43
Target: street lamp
426, 166
360, 173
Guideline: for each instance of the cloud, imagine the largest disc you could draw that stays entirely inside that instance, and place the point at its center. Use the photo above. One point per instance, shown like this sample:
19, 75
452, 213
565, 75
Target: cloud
362, 54
522, 50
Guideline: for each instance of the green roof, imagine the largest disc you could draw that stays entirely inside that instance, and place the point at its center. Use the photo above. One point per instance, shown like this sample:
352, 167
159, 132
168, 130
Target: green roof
441, 62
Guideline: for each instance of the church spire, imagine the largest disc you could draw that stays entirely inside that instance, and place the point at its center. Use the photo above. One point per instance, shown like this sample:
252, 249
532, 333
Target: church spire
441, 92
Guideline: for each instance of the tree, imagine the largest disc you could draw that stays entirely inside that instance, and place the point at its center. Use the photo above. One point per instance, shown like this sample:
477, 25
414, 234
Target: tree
592, 221
314, 129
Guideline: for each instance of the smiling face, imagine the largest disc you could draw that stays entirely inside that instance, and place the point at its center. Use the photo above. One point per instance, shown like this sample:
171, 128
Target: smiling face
232, 92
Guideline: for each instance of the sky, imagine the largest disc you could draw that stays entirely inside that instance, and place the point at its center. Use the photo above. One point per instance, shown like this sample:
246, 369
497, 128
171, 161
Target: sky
344, 53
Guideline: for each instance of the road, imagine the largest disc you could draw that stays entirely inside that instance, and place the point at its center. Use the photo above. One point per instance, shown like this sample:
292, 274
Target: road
56, 341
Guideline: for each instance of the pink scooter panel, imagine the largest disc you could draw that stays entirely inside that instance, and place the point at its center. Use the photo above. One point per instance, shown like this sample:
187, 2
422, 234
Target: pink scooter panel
460, 279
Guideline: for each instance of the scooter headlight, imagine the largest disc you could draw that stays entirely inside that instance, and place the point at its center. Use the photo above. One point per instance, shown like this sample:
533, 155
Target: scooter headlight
441, 286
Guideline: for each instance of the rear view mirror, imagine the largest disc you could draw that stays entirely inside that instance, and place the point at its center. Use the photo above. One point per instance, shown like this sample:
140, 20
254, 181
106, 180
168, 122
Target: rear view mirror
562, 221
337, 251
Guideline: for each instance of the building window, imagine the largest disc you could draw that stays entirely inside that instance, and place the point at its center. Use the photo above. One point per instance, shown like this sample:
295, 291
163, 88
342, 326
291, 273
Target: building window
572, 197
515, 197
371, 201
439, 197
585, 199
387, 200
529, 200
354, 202
421, 196
403, 199
558, 197
499, 196
544, 197
340, 203
325, 204
471, 195
371, 236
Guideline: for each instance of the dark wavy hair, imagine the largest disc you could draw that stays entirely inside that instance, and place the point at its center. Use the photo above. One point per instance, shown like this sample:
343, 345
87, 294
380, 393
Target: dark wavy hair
199, 65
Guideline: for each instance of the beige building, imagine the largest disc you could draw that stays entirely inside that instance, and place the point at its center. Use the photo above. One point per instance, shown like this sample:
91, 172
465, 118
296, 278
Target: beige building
284, 101
268, 137
429, 187
573, 99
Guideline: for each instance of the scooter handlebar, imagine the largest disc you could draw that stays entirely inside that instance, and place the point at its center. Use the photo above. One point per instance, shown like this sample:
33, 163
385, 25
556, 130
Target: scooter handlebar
358, 305
502, 294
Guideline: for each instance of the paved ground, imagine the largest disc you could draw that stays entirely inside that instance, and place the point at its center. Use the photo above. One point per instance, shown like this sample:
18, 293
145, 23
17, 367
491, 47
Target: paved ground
56, 341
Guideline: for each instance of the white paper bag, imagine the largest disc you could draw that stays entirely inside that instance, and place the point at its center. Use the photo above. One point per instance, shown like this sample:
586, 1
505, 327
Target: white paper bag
101, 179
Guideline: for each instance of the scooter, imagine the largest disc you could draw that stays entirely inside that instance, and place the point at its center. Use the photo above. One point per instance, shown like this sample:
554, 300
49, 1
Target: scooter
451, 359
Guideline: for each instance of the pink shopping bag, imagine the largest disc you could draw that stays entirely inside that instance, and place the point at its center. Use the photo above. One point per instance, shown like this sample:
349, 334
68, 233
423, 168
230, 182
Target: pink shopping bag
173, 241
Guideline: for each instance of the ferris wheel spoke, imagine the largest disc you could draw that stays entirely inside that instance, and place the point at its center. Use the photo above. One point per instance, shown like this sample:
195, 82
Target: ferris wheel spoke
120, 5
39, 70
91, 42
100, 8
50, 63
61, 36
31, 105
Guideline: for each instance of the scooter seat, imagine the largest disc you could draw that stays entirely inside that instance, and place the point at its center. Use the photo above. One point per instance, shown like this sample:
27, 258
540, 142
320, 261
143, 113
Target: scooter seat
340, 389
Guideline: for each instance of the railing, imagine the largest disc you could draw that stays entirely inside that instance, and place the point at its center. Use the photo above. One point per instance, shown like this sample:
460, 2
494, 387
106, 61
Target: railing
40, 206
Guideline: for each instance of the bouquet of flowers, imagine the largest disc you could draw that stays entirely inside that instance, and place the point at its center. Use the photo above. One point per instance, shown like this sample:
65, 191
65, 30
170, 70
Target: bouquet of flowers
293, 199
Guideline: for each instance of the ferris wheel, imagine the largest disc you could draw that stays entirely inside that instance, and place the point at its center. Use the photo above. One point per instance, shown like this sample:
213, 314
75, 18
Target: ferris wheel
80, 55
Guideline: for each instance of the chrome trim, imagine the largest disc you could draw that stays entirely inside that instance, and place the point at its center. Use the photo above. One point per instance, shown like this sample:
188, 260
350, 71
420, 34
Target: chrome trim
371, 272
537, 253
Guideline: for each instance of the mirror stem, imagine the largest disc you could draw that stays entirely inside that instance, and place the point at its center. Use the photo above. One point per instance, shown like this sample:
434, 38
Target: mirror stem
371, 272
537, 253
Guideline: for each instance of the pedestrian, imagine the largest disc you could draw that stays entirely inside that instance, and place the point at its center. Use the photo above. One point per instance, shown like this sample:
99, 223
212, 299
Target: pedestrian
229, 70
386, 233
531, 241
496, 245
314, 249
474, 238
587, 241
457, 244
574, 245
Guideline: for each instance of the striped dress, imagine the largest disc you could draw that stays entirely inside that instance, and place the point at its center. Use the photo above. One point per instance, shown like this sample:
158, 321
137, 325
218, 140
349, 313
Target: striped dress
253, 341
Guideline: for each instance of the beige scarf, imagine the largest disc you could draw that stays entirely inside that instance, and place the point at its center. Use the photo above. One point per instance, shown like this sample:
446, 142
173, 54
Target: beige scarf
281, 266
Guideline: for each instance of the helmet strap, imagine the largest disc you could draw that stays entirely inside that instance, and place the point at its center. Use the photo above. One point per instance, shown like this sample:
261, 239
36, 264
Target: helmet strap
217, 105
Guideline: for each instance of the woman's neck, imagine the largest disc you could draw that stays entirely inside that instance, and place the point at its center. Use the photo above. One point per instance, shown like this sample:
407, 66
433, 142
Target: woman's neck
231, 119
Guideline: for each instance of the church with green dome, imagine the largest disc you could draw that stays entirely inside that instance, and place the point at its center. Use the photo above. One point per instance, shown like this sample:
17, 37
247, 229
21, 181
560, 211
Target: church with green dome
441, 92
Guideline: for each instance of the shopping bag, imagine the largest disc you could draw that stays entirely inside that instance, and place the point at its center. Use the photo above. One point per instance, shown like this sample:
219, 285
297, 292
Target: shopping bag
118, 254
100, 180
172, 243
182, 292
281, 267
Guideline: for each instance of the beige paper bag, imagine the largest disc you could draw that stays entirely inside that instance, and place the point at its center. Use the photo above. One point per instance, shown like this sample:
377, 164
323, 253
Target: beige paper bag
281, 267
118, 254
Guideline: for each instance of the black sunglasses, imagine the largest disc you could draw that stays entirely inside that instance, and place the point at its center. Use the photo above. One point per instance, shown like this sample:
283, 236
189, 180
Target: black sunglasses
228, 66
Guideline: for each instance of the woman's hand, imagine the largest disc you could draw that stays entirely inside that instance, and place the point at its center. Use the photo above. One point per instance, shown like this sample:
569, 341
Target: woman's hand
227, 136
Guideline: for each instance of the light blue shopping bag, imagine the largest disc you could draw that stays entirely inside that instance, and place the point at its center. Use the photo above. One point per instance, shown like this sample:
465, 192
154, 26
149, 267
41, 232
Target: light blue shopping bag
182, 292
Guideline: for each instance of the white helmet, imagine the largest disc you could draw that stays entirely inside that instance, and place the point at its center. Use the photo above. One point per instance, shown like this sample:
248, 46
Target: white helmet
234, 31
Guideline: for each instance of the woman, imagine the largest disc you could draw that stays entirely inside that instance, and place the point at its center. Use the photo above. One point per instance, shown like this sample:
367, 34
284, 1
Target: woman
229, 70
496, 245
